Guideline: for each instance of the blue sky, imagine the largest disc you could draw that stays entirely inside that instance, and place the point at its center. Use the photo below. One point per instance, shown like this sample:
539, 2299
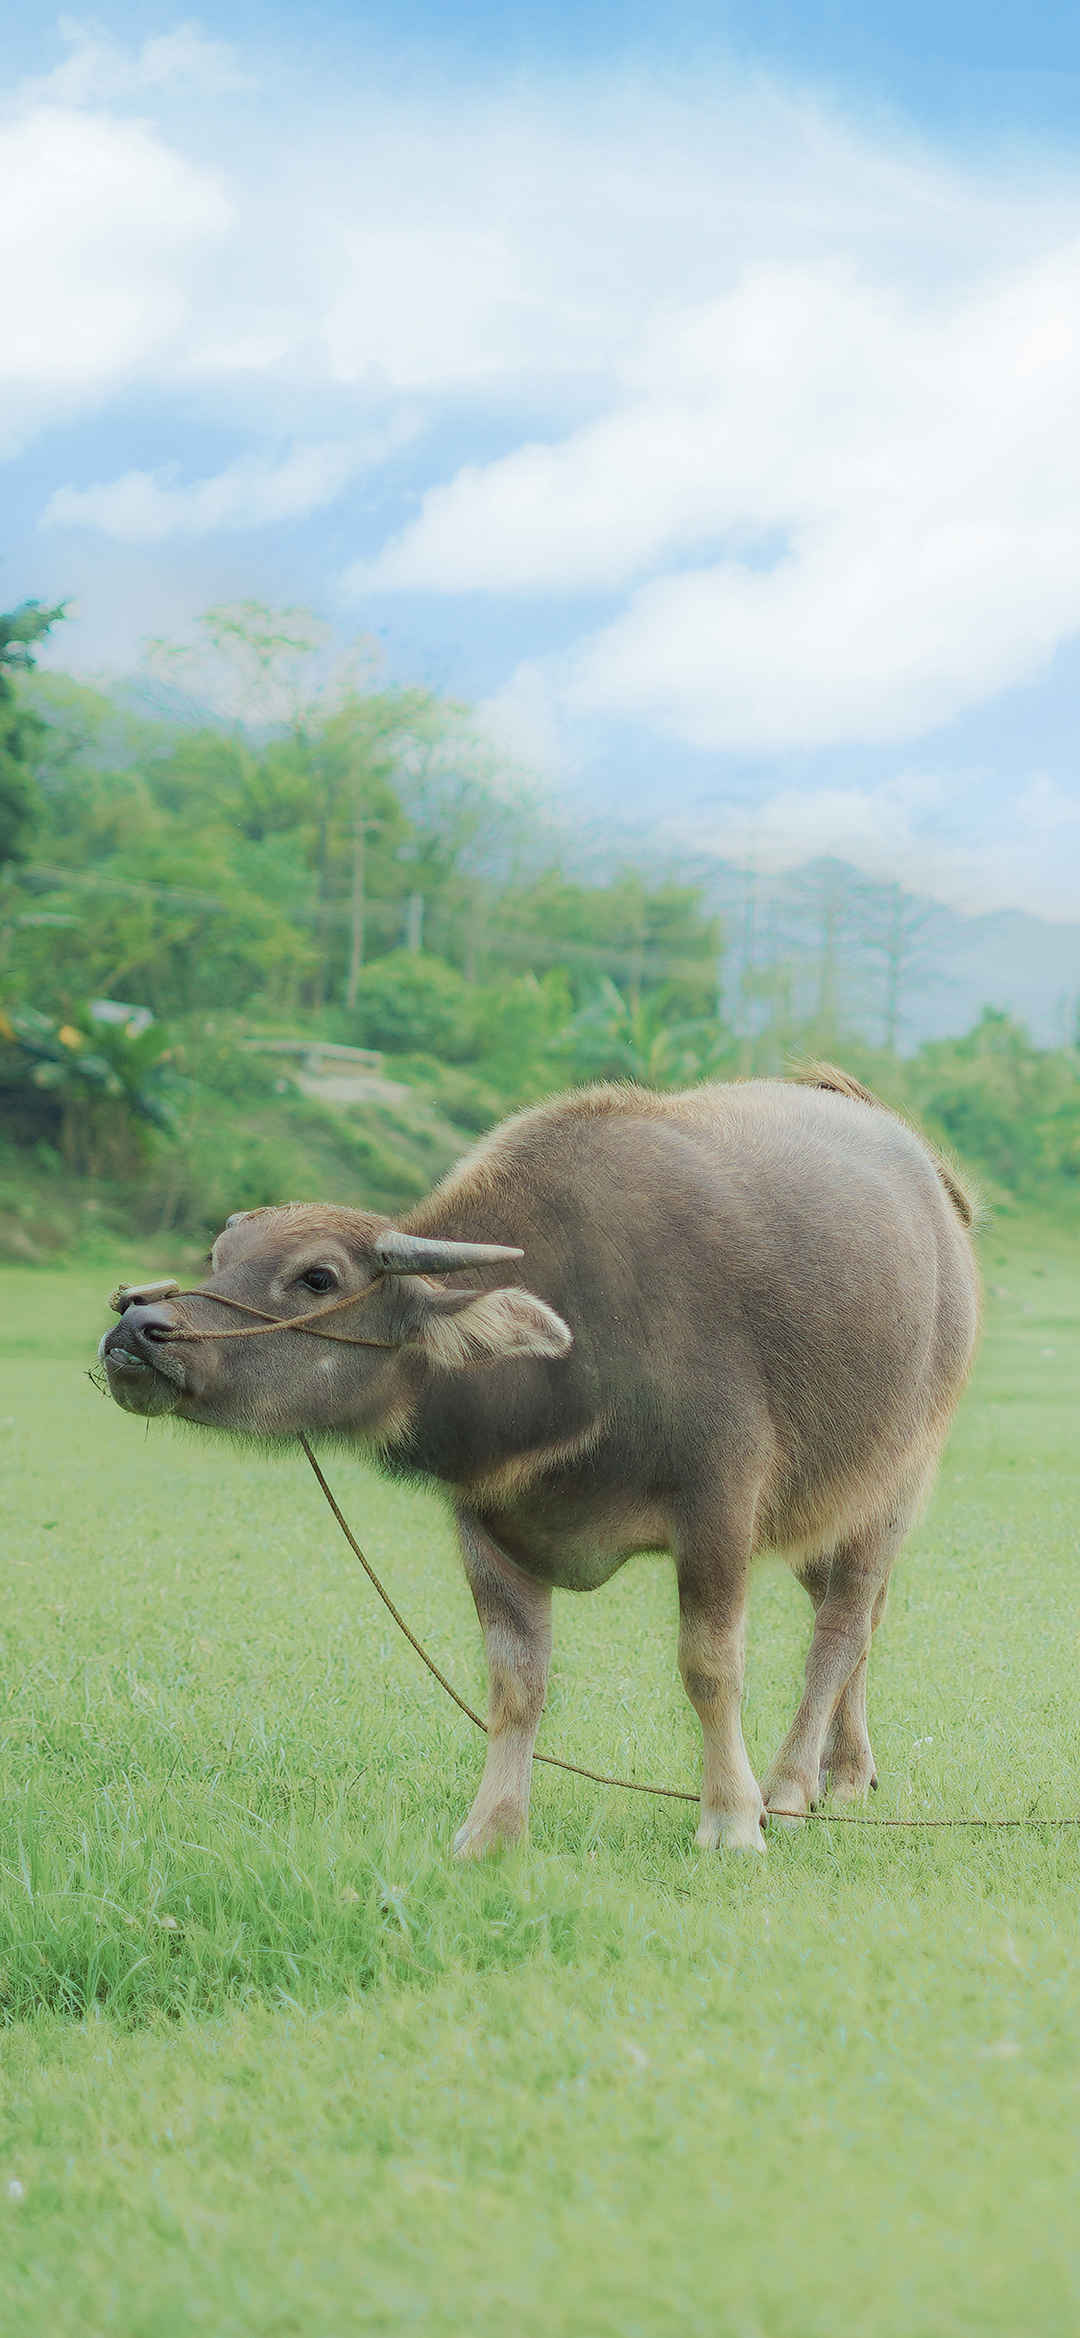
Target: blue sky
972, 71
700, 404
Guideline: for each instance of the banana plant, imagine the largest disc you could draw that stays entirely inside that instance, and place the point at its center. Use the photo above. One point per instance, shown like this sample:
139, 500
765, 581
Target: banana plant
614, 1037
105, 1081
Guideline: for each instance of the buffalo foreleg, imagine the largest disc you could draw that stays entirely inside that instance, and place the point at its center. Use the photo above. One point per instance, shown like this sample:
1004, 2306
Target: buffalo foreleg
712, 1650
515, 1616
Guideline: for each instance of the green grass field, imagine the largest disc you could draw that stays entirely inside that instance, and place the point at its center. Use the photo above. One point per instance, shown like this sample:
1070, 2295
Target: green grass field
274, 2064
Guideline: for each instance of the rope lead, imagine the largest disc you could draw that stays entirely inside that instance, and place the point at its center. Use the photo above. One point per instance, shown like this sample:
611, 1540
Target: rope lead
836, 1818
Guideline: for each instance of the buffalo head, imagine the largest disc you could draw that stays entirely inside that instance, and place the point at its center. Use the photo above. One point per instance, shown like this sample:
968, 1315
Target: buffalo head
248, 1350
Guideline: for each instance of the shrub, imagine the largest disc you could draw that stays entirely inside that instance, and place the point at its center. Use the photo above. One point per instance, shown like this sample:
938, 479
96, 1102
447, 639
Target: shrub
409, 1003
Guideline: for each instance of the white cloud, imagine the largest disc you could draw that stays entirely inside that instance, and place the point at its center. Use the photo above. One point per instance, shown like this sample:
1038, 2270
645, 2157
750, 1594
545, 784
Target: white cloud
100, 68
798, 403
426, 306
102, 227
881, 830
146, 507
834, 511
931, 834
522, 720
1045, 810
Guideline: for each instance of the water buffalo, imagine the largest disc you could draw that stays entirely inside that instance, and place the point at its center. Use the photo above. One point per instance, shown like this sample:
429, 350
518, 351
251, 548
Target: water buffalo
742, 1319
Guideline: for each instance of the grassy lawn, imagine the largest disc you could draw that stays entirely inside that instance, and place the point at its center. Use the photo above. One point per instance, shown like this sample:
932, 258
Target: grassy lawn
273, 2064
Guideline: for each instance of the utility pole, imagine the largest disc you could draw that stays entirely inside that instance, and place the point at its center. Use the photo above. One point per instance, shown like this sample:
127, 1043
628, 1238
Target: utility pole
637, 956
894, 954
900, 933
414, 922
474, 921
830, 929
744, 1028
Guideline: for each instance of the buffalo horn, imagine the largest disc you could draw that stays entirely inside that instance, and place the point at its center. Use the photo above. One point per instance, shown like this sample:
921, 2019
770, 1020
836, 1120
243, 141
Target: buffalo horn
413, 1254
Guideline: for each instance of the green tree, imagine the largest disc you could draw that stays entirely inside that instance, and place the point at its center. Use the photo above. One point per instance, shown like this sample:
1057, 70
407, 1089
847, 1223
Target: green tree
646, 938
517, 1026
1009, 1107
413, 1004
21, 630
369, 782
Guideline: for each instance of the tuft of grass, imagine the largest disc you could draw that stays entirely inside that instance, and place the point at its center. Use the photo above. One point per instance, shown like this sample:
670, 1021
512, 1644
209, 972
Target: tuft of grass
272, 2061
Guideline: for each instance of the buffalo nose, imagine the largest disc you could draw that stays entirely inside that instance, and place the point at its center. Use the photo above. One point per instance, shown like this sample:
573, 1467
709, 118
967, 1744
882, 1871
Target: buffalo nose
141, 1329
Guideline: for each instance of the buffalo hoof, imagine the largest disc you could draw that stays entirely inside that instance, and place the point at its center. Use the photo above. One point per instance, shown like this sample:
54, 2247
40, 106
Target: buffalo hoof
491, 1830
787, 1802
739, 1831
852, 1781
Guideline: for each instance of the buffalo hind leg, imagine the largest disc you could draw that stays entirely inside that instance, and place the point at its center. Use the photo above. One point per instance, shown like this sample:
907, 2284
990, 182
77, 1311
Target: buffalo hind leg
829, 1729
712, 1650
515, 1616
847, 1761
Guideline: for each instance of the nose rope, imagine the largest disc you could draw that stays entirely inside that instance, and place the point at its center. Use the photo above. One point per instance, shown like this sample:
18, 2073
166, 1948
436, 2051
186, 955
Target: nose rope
268, 1323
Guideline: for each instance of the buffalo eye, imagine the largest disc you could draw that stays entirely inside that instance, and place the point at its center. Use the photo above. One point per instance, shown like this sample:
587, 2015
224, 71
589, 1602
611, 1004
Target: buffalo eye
319, 1278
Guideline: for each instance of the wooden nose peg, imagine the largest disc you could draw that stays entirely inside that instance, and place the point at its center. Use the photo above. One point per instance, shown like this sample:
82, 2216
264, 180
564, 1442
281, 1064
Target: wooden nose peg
142, 1294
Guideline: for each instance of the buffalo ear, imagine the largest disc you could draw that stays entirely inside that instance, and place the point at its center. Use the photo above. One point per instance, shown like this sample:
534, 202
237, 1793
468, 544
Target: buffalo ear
456, 1328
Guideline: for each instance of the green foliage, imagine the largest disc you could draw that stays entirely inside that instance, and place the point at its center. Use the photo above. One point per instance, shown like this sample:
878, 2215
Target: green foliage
639, 935
89, 1087
21, 630
414, 1004
1011, 1108
619, 1038
459, 1092
103, 1130
516, 1029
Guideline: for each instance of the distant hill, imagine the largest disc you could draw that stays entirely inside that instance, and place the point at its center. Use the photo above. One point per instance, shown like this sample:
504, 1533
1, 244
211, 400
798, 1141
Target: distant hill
830, 930
1007, 959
